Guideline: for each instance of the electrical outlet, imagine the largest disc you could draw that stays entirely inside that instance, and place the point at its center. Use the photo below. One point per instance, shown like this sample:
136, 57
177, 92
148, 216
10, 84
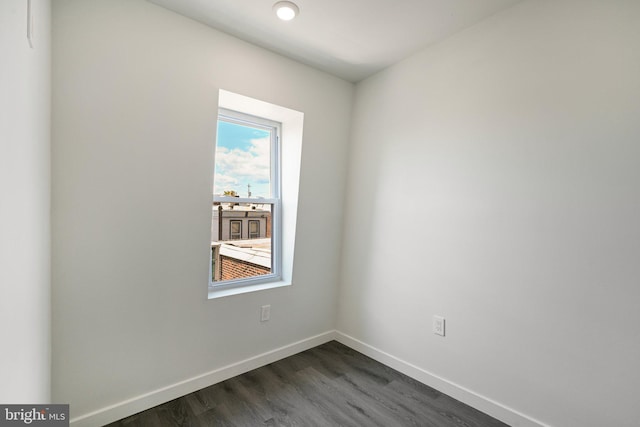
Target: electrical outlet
438, 325
265, 313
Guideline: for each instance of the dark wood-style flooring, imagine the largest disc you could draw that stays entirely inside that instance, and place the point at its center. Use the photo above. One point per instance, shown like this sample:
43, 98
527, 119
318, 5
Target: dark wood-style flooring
329, 385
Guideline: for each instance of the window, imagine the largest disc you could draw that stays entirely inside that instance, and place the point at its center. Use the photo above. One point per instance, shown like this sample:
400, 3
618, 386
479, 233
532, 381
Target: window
254, 229
236, 230
246, 192
269, 256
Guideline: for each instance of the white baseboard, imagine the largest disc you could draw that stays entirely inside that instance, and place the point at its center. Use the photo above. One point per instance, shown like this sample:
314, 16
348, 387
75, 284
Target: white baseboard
157, 397
458, 392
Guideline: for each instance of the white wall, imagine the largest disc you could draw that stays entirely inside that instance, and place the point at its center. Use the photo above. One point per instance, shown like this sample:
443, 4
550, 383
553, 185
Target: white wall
135, 103
515, 145
25, 87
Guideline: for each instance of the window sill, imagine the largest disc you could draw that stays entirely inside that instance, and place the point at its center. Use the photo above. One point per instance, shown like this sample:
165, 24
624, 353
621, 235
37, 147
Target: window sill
226, 292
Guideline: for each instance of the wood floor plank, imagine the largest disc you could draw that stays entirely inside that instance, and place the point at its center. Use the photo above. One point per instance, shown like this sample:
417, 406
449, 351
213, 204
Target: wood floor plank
329, 385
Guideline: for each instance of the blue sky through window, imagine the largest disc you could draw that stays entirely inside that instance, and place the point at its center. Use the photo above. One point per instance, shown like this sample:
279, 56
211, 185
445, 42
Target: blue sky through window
242, 158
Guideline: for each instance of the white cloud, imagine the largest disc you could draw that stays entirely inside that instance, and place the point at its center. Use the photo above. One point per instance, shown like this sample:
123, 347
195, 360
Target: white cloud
235, 168
225, 181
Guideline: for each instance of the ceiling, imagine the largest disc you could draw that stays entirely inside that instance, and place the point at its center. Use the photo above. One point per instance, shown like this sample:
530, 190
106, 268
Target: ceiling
351, 39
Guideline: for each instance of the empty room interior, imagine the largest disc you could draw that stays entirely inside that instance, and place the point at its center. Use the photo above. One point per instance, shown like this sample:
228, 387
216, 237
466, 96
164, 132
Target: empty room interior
454, 193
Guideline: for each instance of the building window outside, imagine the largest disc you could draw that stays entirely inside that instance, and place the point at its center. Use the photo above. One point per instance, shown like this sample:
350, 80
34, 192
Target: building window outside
254, 229
246, 196
236, 230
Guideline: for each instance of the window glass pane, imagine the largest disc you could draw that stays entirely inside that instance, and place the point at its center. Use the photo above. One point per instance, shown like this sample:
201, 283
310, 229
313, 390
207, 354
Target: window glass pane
241, 240
237, 256
243, 161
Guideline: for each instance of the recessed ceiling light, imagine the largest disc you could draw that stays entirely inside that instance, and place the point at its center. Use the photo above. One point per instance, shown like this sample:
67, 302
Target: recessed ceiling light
286, 10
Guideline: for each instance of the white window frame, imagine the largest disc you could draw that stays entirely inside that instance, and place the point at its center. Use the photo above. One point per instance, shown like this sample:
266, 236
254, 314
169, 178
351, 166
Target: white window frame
291, 155
274, 129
